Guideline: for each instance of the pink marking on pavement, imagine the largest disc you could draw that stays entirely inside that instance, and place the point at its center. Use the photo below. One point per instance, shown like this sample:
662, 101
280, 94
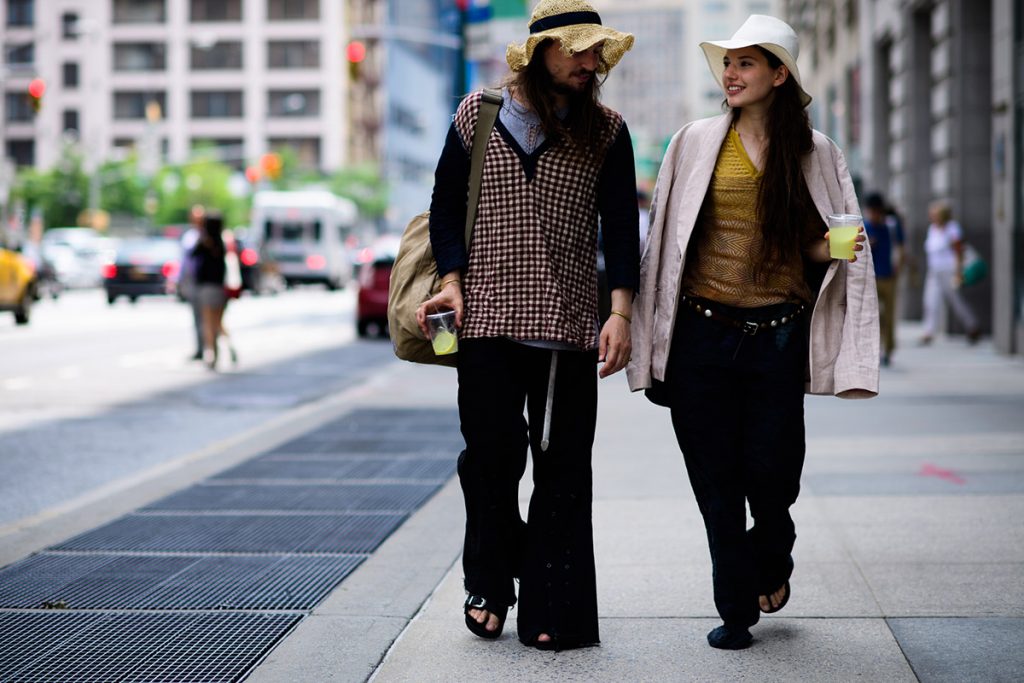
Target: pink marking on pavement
930, 470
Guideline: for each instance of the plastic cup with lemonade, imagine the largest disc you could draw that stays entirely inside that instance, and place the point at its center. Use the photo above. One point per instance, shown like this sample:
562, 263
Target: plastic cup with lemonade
842, 234
443, 336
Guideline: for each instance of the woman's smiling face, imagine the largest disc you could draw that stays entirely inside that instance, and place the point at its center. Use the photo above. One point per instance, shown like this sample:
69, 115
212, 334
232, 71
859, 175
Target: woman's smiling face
748, 79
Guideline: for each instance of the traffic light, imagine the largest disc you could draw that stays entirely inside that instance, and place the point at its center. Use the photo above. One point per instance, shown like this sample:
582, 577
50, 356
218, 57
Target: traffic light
356, 53
271, 165
36, 89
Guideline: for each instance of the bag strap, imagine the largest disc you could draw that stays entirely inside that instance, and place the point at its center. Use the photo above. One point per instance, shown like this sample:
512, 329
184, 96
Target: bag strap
489, 106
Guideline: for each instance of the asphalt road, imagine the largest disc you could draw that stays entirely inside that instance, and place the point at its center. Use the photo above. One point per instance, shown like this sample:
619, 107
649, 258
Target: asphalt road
91, 393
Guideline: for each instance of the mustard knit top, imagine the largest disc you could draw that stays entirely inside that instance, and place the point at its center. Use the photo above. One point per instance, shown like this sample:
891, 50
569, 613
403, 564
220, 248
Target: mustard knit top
729, 241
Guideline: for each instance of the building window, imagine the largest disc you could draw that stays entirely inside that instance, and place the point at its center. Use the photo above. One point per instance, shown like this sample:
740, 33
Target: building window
140, 56
230, 151
21, 12
215, 10
22, 152
293, 103
70, 117
293, 54
132, 104
21, 55
217, 104
69, 26
139, 12
223, 55
17, 107
307, 150
293, 9
70, 75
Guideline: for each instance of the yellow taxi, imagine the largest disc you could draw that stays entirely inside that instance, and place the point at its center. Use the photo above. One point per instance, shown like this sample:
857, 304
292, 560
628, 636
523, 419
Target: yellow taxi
17, 284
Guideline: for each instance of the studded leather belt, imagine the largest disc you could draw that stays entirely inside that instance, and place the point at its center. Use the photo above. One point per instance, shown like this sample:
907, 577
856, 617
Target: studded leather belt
750, 327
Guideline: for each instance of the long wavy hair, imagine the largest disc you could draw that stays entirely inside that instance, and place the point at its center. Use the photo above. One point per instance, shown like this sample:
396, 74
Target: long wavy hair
784, 205
583, 123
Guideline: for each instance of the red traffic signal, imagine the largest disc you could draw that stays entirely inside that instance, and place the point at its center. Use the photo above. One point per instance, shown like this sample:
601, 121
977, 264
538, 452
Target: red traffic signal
36, 88
356, 51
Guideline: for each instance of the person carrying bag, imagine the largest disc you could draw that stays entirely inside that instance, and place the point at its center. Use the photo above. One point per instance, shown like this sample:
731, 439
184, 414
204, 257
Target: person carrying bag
414, 276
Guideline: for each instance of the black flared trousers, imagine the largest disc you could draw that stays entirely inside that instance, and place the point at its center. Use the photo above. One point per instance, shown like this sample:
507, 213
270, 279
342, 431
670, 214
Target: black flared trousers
737, 405
552, 552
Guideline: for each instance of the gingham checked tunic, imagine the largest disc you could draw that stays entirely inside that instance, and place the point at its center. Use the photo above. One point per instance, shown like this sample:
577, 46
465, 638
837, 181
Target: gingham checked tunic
532, 263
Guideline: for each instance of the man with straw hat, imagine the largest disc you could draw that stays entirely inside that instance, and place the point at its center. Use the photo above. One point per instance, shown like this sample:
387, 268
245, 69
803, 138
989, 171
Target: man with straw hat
525, 297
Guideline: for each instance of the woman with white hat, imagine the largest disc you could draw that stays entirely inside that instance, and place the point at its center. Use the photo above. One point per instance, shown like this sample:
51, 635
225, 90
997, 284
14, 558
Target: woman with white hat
741, 310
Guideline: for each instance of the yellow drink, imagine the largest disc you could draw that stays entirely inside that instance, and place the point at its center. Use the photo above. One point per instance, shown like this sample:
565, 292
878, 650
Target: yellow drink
841, 240
444, 343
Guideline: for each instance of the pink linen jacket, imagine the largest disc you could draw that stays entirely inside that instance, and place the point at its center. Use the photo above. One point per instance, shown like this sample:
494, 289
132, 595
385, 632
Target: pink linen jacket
844, 338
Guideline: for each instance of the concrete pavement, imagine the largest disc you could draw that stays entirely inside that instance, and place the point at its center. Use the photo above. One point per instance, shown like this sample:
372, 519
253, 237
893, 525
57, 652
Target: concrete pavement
909, 561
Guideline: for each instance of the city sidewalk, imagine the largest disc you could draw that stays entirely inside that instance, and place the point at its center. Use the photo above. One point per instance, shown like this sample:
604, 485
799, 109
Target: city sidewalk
909, 562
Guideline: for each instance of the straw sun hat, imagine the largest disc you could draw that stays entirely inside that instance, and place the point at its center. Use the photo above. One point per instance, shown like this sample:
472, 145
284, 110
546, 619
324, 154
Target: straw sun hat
772, 34
577, 25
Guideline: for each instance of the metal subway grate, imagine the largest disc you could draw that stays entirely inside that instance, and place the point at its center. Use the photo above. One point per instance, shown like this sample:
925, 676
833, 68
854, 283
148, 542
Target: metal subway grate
207, 647
392, 431
173, 582
397, 420
297, 468
368, 445
186, 586
256, 533
298, 497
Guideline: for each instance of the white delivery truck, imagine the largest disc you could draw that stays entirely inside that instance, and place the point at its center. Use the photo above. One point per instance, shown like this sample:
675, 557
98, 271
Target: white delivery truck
303, 233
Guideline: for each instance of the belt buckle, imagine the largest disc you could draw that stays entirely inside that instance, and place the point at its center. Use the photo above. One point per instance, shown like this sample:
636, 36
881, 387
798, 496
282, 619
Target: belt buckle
750, 328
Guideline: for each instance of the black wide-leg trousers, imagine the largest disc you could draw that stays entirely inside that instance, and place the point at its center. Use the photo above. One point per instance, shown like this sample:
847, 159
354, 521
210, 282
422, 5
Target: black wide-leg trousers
737, 405
552, 552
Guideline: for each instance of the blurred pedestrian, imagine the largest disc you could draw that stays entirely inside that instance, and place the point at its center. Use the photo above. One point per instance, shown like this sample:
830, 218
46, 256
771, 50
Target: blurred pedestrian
186, 280
944, 254
885, 233
211, 269
739, 300
525, 298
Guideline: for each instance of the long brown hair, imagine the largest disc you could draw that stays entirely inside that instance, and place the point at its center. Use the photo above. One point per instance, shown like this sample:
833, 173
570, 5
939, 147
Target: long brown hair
784, 204
583, 123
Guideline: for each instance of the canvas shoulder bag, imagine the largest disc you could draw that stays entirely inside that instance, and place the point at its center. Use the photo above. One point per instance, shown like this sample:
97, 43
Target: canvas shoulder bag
414, 277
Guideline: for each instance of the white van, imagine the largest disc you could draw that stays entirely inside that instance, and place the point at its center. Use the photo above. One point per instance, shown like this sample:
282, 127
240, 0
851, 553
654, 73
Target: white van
304, 233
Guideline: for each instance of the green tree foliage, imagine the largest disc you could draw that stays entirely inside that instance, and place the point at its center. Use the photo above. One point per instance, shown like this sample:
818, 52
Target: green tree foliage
201, 181
364, 185
122, 188
60, 193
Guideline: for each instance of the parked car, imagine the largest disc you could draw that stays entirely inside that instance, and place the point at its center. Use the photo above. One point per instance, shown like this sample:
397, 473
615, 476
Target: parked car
17, 285
47, 282
142, 266
77, 255
376, 261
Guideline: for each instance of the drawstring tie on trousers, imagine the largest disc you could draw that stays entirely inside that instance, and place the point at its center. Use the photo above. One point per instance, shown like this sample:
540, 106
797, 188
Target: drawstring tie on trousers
544, 439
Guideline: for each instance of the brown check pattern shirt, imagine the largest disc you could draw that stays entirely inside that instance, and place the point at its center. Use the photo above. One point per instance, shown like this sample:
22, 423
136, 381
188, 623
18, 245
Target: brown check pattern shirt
532, 271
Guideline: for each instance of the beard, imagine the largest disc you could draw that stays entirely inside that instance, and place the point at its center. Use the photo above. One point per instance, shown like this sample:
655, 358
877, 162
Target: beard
584, 92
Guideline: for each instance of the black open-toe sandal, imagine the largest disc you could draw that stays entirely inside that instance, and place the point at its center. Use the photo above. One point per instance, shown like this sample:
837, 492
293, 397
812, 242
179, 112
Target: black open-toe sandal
785, 599
481, 603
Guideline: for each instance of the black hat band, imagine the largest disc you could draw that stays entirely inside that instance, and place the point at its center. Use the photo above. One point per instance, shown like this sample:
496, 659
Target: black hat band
565, 19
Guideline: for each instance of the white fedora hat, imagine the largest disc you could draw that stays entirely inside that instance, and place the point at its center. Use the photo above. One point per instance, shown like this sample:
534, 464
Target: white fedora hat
772, 34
